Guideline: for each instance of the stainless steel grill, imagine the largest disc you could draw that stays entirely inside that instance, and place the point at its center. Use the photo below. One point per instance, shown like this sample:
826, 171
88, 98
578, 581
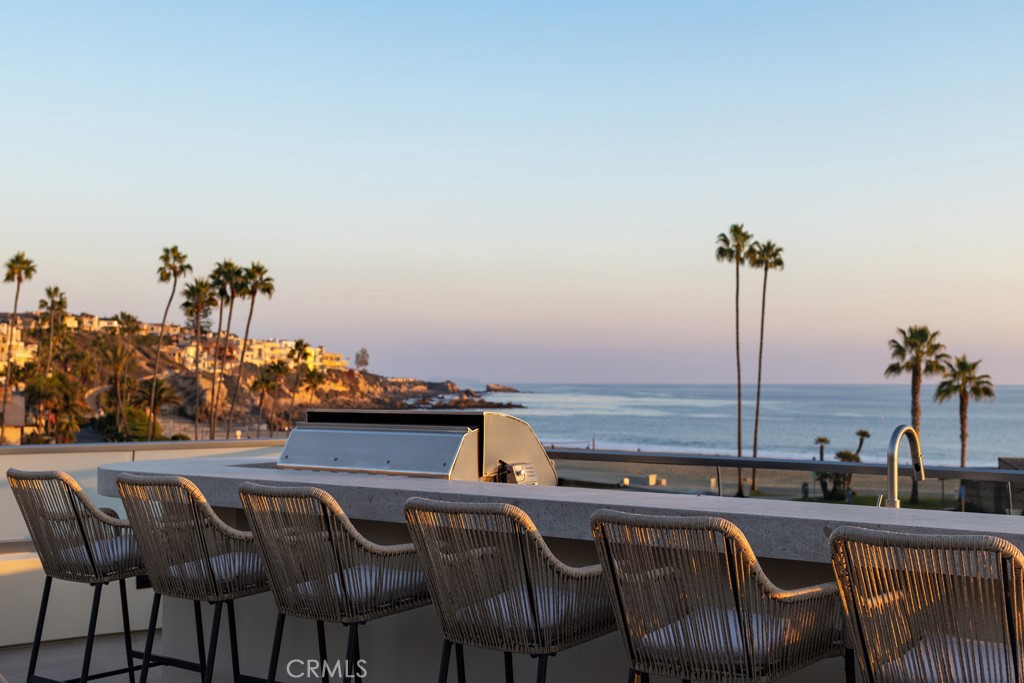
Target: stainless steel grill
465, 446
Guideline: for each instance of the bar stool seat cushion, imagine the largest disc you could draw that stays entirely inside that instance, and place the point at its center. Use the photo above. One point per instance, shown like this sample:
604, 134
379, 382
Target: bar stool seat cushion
918, 664
515, 608
112, 555
240, 566
371, 583
691, 635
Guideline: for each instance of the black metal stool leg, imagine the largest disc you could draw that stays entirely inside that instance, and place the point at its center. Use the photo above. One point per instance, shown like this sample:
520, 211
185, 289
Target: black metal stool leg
91, 633
510, 676
233, 636
39, 628
352, 652
321, 640
214, 631
275, 653
197, 610
850, 665
446, 655
126, 621
542, 669
460, 663
150, 633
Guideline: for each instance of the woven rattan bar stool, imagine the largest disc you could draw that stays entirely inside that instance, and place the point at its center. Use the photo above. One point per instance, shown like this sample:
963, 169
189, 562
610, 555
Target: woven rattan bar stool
693, 603
496, 585
932, 608
76, 541
191, 554
321, 568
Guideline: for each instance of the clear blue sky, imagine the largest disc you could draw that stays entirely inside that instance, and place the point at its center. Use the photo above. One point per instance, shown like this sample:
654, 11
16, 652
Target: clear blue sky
531, 191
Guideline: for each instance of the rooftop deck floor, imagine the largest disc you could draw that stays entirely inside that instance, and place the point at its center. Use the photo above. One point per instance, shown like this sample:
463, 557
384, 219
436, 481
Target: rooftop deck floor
62, 659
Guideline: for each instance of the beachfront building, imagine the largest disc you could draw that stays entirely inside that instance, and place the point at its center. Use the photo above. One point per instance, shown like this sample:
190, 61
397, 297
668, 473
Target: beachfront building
22, 351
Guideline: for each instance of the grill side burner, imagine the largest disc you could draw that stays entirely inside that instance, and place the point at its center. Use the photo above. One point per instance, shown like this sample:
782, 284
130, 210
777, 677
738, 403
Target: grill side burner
465, 446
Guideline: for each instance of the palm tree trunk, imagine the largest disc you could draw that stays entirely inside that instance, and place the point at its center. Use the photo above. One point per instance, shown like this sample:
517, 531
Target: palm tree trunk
241, 367
739, 390
273, 408
10, 350
963, 427
760, 360
295, 391
216, 387
216, 354
198, 386
259, 419
49, 349
151, 424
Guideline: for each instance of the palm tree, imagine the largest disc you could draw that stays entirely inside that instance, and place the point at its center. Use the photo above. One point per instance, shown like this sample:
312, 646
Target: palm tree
226, 278
128, 325
200, 298
165, 394
19, 269
919, 352
118, 357
276, 372
173, 265
767, 256
732, 247
298, 356
55, 304
862, 436
254, 281
262, 384
961, 379
313, 380
821, 442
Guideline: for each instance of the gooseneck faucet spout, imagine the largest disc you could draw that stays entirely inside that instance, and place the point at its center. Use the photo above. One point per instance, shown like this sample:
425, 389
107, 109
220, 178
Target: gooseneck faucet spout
892, 461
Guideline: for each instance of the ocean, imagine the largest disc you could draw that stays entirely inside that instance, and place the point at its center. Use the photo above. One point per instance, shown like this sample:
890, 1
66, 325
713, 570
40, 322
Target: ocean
702, 419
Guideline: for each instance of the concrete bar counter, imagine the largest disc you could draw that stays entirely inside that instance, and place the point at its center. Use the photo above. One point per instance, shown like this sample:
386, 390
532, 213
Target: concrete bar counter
790, 538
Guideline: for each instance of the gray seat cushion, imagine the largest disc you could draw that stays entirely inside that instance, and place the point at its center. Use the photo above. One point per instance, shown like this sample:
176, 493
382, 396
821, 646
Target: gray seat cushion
243, 566
110, 554
712, 634
952, 660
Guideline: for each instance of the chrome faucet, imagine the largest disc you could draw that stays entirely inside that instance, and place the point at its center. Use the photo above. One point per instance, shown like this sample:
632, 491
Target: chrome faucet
891, 461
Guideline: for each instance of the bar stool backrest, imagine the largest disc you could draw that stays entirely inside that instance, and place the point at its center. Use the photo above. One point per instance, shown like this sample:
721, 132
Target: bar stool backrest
492, 576
75, 540
319, 566
932, 607
190, 553
692, 601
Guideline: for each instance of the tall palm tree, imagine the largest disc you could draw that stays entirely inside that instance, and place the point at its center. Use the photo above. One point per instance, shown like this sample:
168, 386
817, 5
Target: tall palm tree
961, 379
919, 352
732, 247
766, 256
19, 269
254, 282
55, 304
173, 265
226, 278
298, 356
200, 298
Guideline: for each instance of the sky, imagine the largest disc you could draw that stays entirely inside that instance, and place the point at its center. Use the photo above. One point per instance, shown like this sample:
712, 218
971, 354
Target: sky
531, 191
